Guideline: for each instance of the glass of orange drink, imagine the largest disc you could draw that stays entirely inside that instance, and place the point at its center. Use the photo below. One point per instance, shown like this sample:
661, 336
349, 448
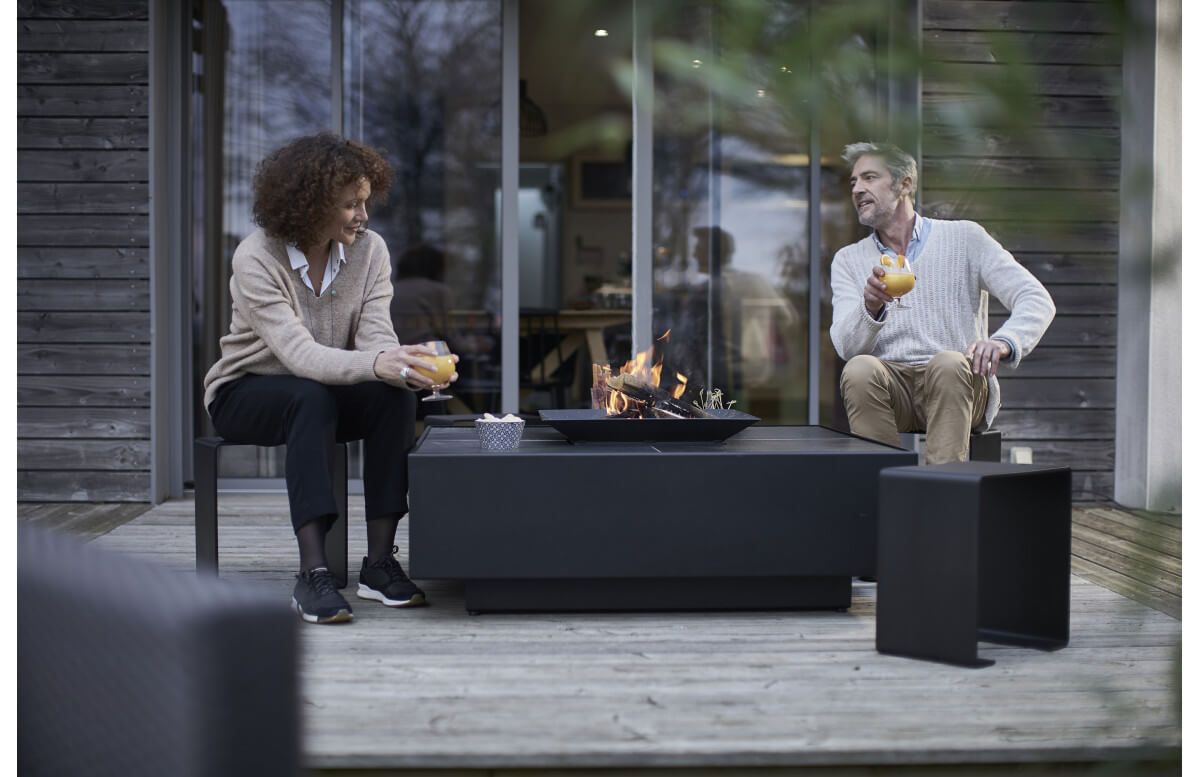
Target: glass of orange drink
897, 276
444, 364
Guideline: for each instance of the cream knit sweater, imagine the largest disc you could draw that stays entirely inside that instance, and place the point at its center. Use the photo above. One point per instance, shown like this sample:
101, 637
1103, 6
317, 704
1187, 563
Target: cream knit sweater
959, 266
279, 327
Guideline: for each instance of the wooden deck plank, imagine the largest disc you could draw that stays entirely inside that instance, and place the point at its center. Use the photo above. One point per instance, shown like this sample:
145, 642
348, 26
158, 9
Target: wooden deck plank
435, 688
85, 519
1152, 596
1166, 539
1166, 563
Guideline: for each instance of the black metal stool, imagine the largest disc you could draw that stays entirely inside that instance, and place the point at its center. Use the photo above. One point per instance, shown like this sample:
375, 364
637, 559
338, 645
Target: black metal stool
206, 458
970, 551
984, 446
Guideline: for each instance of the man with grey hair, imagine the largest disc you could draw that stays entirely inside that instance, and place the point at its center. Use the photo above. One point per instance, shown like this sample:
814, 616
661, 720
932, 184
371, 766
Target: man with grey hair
930, 363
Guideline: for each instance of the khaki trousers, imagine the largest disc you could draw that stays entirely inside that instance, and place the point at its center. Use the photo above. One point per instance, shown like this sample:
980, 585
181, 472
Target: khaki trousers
942, 397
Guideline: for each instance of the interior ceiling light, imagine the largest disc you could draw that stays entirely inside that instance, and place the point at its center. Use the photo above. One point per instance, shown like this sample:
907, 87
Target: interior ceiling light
601, 33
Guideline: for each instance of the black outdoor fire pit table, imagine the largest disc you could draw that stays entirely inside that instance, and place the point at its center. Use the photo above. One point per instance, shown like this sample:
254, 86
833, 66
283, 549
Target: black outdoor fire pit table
774, 517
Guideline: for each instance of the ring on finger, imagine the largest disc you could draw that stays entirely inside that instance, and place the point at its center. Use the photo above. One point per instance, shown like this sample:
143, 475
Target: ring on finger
404, 372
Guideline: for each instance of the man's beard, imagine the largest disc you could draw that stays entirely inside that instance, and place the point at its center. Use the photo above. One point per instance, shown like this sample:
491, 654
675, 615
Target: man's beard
880, 214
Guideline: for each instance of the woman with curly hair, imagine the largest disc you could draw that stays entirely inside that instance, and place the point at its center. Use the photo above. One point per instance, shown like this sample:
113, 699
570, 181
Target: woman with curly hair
311, 357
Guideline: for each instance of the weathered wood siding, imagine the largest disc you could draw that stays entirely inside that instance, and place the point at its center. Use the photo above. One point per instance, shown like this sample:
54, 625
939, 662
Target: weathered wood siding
1046, 185
83, 244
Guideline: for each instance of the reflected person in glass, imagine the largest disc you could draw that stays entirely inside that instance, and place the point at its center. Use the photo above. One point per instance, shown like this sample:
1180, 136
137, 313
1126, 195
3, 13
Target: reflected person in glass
311, 358
931, 364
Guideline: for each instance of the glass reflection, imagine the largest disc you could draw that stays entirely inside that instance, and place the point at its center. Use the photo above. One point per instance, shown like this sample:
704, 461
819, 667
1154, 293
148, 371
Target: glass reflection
248, 58
731, 210
421, 82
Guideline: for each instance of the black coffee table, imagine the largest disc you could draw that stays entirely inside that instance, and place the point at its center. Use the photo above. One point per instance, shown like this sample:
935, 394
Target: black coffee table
774, 517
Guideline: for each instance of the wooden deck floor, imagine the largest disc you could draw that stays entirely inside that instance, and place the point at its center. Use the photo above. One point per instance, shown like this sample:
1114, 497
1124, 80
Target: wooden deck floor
1136, 553
436, 688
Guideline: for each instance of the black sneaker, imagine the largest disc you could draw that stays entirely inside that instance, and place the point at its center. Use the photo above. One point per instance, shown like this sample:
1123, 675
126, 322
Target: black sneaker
385, 581
317, 600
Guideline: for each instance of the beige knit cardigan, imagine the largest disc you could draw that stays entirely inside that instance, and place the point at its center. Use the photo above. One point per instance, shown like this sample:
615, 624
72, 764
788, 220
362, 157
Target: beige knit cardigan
279, 327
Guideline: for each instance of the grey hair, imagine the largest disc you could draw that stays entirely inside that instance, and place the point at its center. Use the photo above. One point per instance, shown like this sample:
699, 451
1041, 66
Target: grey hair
899, 162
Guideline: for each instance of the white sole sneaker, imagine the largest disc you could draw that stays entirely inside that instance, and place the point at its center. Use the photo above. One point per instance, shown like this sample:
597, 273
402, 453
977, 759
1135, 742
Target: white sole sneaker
367, 592
341, 616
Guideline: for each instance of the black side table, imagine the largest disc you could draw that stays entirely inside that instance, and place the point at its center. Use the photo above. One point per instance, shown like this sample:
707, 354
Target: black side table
971, 551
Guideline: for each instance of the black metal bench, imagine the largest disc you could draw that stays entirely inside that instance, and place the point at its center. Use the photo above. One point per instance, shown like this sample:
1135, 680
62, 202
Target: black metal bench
207, 451
985, 446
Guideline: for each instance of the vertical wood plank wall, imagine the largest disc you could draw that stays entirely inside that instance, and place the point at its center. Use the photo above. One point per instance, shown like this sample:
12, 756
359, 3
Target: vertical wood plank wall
1046, 186
83, 296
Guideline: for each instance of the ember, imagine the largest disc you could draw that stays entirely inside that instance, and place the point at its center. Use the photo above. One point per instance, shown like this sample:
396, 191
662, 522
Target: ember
635, 392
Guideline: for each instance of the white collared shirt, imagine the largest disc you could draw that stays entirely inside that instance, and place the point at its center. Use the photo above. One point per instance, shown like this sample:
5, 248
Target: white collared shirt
337, 257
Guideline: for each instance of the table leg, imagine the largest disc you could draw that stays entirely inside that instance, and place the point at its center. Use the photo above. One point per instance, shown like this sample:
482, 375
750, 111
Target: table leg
596, 349
570, 344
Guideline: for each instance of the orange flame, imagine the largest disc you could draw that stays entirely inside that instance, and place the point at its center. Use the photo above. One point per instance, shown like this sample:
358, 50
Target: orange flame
677, 392
645, 368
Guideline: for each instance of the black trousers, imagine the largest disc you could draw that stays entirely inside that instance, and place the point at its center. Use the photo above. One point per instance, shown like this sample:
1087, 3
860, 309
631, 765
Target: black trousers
308, 417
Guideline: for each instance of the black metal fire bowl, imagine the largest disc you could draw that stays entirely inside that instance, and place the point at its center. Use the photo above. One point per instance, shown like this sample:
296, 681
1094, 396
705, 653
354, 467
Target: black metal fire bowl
598, 426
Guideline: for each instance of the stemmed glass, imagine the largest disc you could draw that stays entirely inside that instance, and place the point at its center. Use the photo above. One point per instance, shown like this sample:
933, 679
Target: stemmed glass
441, 376
898, 277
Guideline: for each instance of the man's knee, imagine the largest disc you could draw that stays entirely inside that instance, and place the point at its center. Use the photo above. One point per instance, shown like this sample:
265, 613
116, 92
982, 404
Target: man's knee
859, 372
948, 363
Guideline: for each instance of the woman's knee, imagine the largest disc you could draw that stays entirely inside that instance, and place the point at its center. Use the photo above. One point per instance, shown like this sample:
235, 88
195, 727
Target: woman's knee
312, 399
389, 400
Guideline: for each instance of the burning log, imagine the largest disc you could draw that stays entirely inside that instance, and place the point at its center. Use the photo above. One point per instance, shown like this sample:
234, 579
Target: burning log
646, 400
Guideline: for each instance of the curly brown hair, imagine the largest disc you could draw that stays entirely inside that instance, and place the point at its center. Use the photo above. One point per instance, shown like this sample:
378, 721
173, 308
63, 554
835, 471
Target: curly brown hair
296, 185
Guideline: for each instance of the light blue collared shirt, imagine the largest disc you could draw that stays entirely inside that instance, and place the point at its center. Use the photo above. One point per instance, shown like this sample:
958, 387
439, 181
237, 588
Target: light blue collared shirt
337, 257
921, 230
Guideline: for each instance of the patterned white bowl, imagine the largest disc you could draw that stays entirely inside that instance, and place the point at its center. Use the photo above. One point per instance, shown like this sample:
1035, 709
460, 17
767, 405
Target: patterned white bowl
499, 435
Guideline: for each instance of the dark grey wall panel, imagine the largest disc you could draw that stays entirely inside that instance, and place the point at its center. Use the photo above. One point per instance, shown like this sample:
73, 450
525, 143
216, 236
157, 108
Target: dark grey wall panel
83, 299
83, 454
83, 133
1019, 16
83, 390
83, 165
82, 423
83, 262
99, 10
67, 35
115, 296
92, 326
83, 68
70, 100
82, 359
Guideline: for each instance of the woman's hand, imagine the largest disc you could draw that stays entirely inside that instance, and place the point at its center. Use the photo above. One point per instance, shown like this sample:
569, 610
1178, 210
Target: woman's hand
400, 365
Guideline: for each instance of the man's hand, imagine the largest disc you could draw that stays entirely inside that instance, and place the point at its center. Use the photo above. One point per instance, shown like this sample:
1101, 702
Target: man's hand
985, 356
875, 294
400, 364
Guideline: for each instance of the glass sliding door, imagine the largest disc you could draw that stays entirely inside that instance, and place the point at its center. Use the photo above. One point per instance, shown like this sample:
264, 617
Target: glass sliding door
731, 203
422, 81
417, 78
262, 72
